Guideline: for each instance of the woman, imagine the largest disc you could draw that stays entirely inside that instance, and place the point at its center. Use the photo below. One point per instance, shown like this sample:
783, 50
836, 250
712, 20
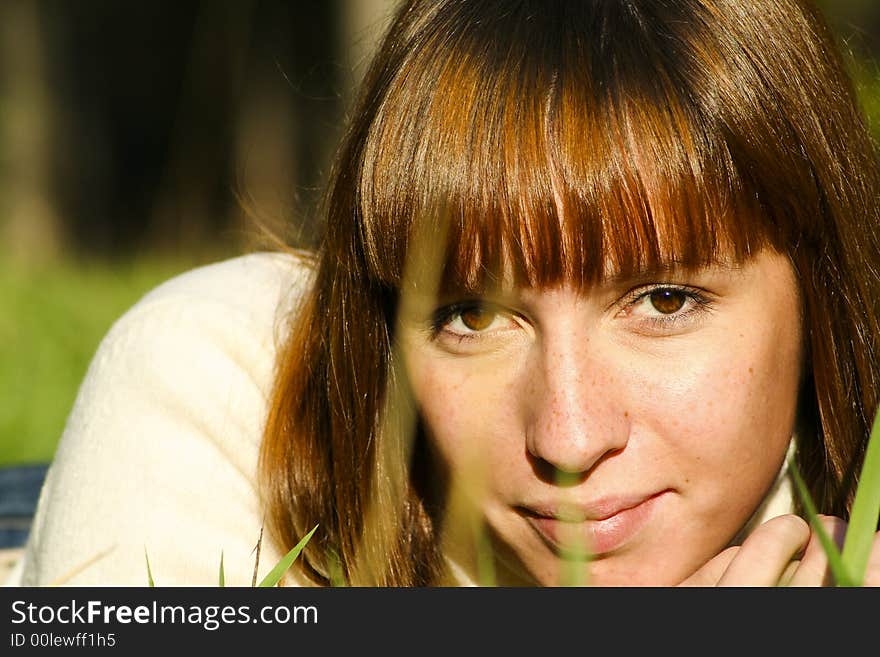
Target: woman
589, 272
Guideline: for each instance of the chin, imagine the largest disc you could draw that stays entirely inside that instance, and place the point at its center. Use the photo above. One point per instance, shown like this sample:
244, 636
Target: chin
630, 570
631, 577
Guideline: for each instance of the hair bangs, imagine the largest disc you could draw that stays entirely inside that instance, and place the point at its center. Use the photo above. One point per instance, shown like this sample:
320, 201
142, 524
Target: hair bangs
530, 159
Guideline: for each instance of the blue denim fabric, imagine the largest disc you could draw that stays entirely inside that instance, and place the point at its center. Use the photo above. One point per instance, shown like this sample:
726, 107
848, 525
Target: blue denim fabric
19, 490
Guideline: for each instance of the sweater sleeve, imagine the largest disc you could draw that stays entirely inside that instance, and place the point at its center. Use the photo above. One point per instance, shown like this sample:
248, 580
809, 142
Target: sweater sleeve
159, 454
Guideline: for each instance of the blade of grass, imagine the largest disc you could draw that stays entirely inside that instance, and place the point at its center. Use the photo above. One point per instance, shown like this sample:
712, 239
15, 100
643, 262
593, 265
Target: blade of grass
485, 556
842, 576
222, 575
149, 572
287, 560
575, 566
257, 559
576, 555
337, 579
865, 510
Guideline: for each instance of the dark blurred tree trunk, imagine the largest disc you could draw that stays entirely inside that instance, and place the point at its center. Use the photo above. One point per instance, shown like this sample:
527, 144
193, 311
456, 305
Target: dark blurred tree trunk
192, 204
29, 224
307, 60
290, 117
117, 73
172, 111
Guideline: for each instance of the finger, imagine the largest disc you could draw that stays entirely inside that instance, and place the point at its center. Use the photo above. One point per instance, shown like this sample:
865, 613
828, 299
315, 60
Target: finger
813, 569
766, 553
788, 575
872, 573
711, 571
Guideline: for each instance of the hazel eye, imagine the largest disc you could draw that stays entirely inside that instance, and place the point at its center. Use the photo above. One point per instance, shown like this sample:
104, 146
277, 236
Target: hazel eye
471, 320
668, 301
477, 318
662, 309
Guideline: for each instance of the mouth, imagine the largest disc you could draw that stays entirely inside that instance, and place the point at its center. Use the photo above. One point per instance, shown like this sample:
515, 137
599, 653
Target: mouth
596, 529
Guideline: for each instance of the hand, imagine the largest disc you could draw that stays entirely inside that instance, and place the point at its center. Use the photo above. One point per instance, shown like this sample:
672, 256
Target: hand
782, 552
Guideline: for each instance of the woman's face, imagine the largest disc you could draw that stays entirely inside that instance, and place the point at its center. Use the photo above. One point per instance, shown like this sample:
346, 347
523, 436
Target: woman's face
640, 422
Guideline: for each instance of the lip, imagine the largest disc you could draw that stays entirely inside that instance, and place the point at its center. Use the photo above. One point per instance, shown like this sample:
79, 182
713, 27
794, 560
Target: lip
605, 525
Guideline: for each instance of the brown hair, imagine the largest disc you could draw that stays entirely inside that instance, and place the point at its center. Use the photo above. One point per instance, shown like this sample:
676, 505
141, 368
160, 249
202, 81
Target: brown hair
666, 131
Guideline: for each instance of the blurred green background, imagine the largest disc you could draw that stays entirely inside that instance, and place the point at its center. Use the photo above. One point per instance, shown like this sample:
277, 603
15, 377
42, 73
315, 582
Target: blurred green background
140, 139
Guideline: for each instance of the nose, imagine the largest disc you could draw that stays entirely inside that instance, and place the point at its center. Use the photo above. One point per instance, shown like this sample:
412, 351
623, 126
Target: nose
577, 411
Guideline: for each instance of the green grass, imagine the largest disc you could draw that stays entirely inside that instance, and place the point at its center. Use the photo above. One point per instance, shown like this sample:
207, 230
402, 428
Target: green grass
286, 562
848, 568
52, 318
866, 76
270, 580
866, 510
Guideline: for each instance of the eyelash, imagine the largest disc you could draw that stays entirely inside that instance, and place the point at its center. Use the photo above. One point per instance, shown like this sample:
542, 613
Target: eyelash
445, 315
699, 302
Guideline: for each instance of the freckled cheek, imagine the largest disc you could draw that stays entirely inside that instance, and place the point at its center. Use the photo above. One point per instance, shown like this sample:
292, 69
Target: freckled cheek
467, 409
731, 407
678, 405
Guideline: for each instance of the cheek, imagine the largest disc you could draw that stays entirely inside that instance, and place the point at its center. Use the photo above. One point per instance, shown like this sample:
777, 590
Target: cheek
466, 407
724, 412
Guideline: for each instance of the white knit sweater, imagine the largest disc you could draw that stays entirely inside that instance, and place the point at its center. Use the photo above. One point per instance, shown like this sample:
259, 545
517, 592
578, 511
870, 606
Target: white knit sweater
159, 454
